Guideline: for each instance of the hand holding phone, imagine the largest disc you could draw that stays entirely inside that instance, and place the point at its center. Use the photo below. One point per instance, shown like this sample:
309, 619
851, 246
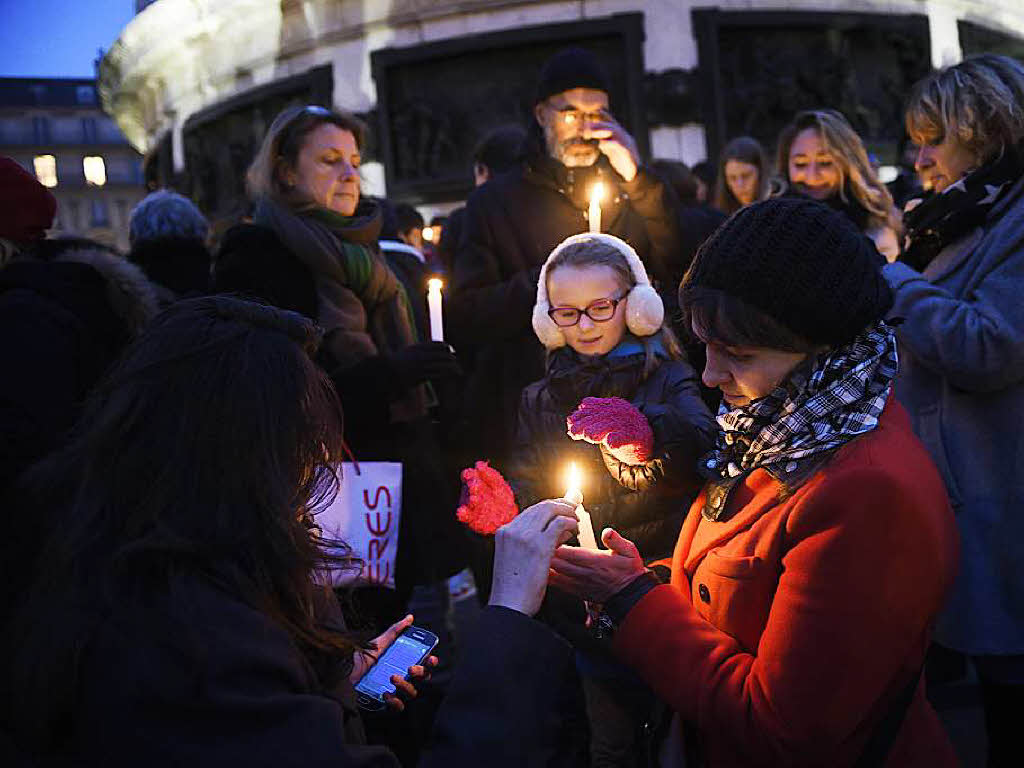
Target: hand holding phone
404, 653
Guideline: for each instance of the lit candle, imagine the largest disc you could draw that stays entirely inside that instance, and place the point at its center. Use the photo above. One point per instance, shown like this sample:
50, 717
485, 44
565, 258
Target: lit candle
594, 215
428, 234
434, 305
573, 492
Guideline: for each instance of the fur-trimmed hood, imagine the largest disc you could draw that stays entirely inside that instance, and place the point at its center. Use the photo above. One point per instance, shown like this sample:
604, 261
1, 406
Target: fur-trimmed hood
130, 293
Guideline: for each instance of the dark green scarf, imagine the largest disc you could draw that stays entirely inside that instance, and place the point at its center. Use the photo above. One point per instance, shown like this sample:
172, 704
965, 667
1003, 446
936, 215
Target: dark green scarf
361, 304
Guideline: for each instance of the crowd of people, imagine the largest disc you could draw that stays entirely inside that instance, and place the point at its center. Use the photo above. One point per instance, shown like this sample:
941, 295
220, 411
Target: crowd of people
790, 391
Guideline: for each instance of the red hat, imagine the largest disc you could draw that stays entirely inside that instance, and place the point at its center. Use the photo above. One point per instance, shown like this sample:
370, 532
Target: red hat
26, 207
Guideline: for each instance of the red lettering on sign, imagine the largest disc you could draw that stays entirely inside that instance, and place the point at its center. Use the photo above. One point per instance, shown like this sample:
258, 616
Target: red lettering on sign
376, 497
380, 528
377, 549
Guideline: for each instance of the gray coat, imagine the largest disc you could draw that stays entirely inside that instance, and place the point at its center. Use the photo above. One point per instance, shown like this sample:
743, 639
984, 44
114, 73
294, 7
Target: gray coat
962, 381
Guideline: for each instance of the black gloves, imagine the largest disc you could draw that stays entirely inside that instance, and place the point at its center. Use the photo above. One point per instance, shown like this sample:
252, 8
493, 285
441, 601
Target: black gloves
429, 360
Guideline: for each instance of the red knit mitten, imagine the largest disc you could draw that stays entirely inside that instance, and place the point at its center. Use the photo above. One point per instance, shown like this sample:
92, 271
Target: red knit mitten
487, 500
616, 424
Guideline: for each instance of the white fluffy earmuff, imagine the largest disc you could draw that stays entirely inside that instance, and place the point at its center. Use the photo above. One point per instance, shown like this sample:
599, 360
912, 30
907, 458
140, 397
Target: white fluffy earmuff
645, 311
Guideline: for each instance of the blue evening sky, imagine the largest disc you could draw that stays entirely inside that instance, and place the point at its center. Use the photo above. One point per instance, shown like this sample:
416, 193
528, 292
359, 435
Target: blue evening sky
58, 38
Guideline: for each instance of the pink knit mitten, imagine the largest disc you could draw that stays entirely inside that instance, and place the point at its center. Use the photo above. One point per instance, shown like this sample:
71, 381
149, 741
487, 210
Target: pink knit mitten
616, 424
487, 500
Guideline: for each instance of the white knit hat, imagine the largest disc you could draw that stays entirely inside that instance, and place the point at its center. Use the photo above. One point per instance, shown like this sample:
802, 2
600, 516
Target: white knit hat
645, 311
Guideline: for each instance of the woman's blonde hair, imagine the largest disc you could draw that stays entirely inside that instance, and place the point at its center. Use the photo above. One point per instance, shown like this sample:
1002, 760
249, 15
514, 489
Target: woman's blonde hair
593, 253
857, 178
280, 149
979, 102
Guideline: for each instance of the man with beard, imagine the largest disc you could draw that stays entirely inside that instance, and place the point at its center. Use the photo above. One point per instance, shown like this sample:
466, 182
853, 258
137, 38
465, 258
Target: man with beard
514, 221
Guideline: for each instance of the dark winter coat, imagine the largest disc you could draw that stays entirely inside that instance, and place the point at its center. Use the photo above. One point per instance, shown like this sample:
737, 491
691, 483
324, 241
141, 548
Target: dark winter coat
450, 237
198, 677
62, 323
646, 503
253, 261
696, 224
413, 273
176, 266
512, 224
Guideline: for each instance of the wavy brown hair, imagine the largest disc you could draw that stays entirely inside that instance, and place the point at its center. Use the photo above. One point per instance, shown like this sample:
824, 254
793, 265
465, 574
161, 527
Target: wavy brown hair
857, 178
979, 101
203, 455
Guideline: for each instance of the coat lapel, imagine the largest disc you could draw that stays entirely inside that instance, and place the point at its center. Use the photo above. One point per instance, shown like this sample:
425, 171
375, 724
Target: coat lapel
953, 255
758, 493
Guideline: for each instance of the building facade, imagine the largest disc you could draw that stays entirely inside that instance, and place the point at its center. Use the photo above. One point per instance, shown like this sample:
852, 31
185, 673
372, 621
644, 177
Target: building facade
57, 130
194, 83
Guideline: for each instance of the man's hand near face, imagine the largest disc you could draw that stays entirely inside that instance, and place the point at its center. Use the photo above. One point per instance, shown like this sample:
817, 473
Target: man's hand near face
617, 145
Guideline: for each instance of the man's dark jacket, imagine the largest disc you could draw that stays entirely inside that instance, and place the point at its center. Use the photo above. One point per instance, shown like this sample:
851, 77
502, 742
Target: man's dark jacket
512, 223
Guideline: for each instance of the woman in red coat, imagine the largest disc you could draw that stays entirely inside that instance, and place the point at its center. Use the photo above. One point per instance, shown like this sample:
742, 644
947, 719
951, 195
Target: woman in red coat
809, 571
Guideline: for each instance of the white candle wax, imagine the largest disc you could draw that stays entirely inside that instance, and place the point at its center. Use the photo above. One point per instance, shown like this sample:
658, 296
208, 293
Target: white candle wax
434, 305
594, 214
586, 532
574, 493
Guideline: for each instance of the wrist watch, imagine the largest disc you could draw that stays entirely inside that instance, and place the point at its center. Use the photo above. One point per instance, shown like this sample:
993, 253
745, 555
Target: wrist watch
621, 603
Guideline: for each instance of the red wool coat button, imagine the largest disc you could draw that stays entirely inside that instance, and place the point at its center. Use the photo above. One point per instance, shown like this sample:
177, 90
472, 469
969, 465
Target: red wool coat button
705, 593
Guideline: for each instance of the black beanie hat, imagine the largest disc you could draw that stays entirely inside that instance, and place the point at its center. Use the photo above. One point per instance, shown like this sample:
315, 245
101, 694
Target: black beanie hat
801, 263
570, 68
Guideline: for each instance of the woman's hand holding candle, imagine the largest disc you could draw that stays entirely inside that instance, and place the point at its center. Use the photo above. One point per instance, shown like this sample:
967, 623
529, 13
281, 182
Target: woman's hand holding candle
522, 554
596, 575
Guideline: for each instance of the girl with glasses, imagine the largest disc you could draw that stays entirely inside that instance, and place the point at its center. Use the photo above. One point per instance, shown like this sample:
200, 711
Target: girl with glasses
636, 426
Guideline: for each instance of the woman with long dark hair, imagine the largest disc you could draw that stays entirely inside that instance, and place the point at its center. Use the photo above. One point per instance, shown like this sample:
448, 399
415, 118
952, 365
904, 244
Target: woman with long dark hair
175, 617
742, 175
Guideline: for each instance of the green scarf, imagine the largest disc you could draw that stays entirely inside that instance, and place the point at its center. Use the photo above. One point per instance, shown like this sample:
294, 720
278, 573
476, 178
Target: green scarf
361, 304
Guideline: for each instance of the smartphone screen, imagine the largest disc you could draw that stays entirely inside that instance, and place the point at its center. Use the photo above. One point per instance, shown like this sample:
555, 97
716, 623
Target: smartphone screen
411, 647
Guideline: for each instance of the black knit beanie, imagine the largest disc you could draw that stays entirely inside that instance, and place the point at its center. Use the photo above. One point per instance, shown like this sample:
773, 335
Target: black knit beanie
570, 68
801, 263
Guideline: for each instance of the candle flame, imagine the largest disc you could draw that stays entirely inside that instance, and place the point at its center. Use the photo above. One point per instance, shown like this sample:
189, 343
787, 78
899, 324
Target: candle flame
596, 193
435, 284
573, 479
428, 234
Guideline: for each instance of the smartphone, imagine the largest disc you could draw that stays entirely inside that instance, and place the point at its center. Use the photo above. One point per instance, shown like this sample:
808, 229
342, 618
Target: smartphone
411, 647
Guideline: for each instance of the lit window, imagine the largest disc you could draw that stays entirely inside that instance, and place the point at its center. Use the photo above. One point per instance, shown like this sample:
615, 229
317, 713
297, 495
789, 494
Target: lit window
95, 171
46, 170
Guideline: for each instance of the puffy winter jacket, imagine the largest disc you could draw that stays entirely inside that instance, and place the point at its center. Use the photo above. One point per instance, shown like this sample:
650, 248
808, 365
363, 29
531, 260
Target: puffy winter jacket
646, 503
511, 225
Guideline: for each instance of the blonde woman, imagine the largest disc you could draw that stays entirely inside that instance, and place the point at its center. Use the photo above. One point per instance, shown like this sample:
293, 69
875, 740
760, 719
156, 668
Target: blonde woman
821, 156
958, 285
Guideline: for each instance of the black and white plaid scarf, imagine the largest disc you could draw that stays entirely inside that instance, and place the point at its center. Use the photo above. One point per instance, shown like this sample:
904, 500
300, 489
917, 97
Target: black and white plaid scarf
824, 403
